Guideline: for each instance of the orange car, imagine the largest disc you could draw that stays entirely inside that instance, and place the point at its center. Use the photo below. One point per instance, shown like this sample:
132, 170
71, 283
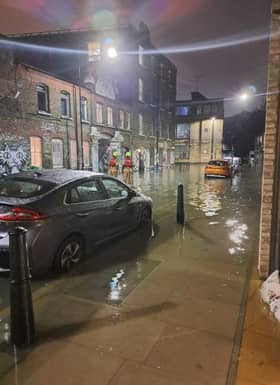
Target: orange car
217, 168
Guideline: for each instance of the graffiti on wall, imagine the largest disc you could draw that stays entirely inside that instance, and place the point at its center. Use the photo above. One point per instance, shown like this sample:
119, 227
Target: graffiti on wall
13, 158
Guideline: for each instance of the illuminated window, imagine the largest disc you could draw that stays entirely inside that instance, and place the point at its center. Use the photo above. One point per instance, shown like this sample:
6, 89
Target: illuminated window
182, 111
128, 121
140, 90
36, 151
140, 55
182, 131
140, 122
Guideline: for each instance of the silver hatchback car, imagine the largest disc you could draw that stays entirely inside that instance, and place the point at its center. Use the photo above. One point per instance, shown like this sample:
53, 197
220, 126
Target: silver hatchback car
66, 212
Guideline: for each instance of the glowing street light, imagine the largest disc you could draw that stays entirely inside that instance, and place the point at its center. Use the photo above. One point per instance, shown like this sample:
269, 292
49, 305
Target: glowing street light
244, 97
112, 53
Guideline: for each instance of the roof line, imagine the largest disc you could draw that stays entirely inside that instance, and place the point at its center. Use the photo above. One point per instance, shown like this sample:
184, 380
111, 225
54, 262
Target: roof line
69, 30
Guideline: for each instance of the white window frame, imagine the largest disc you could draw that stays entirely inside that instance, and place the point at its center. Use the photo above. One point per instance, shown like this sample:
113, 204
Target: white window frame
99, 113
36, 151
140, 90
84, 109
128, 121
65, 95
140, 55
121, 119
57, 156
141, 124
110, 120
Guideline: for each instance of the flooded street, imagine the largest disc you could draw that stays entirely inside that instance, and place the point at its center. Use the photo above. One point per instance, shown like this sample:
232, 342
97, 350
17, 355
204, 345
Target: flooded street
155, 304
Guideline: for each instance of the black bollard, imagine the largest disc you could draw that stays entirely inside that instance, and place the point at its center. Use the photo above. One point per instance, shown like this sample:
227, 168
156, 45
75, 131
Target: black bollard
21, 307
180, 205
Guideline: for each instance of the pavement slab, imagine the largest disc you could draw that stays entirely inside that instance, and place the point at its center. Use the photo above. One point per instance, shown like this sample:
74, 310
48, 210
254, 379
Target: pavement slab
199, 356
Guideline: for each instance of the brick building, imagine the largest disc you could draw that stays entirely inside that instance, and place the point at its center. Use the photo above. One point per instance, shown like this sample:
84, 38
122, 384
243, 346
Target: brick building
48, 122
269, 247
199, 129
140, 87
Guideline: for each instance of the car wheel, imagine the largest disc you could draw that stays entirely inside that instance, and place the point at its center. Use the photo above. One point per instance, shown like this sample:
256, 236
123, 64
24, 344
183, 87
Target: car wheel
69, 254
146, 224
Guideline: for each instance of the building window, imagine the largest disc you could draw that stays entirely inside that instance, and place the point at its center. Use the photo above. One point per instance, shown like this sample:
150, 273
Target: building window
73, 154
43, 98
65, 104
36, 151
140, 90
214, 108
110, 116
182, 131
182, 111
84, 109
57, 153
198, 110
162, 71
121, 119
99, 113
170, 78
140, 55
128, 121
140, 122
206, 109
182, 152
86, 154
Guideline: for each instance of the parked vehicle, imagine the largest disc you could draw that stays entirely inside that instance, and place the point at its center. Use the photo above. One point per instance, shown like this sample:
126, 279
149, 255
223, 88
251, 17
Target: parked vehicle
218, 169
66, 212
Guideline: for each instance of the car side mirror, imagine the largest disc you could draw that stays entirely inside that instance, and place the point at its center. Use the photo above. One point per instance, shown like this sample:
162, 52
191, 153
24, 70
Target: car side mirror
132, 194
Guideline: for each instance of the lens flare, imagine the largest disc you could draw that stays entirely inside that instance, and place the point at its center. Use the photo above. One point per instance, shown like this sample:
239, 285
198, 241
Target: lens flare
103, 19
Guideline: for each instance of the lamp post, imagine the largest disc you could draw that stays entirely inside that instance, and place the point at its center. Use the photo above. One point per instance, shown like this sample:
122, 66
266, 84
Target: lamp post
212, 137
95, 56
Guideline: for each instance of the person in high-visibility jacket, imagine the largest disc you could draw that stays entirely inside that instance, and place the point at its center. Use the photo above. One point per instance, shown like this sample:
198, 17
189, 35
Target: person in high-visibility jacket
113, 165
127, 168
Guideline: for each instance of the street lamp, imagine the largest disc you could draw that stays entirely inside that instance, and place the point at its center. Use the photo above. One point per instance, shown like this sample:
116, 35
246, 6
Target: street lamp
112, 53
244, 97
212, 137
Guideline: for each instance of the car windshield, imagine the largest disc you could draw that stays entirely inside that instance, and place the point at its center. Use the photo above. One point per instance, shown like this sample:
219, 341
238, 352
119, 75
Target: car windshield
23, 188
217, 163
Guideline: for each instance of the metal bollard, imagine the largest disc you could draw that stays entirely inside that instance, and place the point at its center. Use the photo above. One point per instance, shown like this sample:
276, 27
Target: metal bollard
180, 205
21, 306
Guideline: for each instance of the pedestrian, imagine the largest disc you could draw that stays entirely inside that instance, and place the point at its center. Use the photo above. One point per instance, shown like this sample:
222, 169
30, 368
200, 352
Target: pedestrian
113, 164
127, 168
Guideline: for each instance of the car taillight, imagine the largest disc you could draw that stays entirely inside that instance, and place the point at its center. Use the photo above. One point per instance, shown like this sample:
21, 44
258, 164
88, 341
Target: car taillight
21, 214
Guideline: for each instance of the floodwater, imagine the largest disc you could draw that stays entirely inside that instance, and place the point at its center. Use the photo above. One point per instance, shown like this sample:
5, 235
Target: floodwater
217, 211
190, 277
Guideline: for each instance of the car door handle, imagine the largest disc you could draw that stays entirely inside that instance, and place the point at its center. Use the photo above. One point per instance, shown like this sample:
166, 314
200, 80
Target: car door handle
82, 214
118, 208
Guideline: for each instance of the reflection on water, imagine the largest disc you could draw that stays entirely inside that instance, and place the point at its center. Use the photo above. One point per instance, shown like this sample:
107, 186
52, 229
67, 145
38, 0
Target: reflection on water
208, 197
237, 235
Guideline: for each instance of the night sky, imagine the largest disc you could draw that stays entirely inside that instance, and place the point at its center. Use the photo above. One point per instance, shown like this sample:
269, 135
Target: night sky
219, 72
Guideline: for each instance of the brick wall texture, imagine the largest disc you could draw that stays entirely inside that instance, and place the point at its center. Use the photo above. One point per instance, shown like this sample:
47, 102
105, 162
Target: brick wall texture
271, 132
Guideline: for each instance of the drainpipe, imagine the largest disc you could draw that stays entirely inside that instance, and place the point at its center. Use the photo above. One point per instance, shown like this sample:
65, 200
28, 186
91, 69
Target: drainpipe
82, 134
76, 126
